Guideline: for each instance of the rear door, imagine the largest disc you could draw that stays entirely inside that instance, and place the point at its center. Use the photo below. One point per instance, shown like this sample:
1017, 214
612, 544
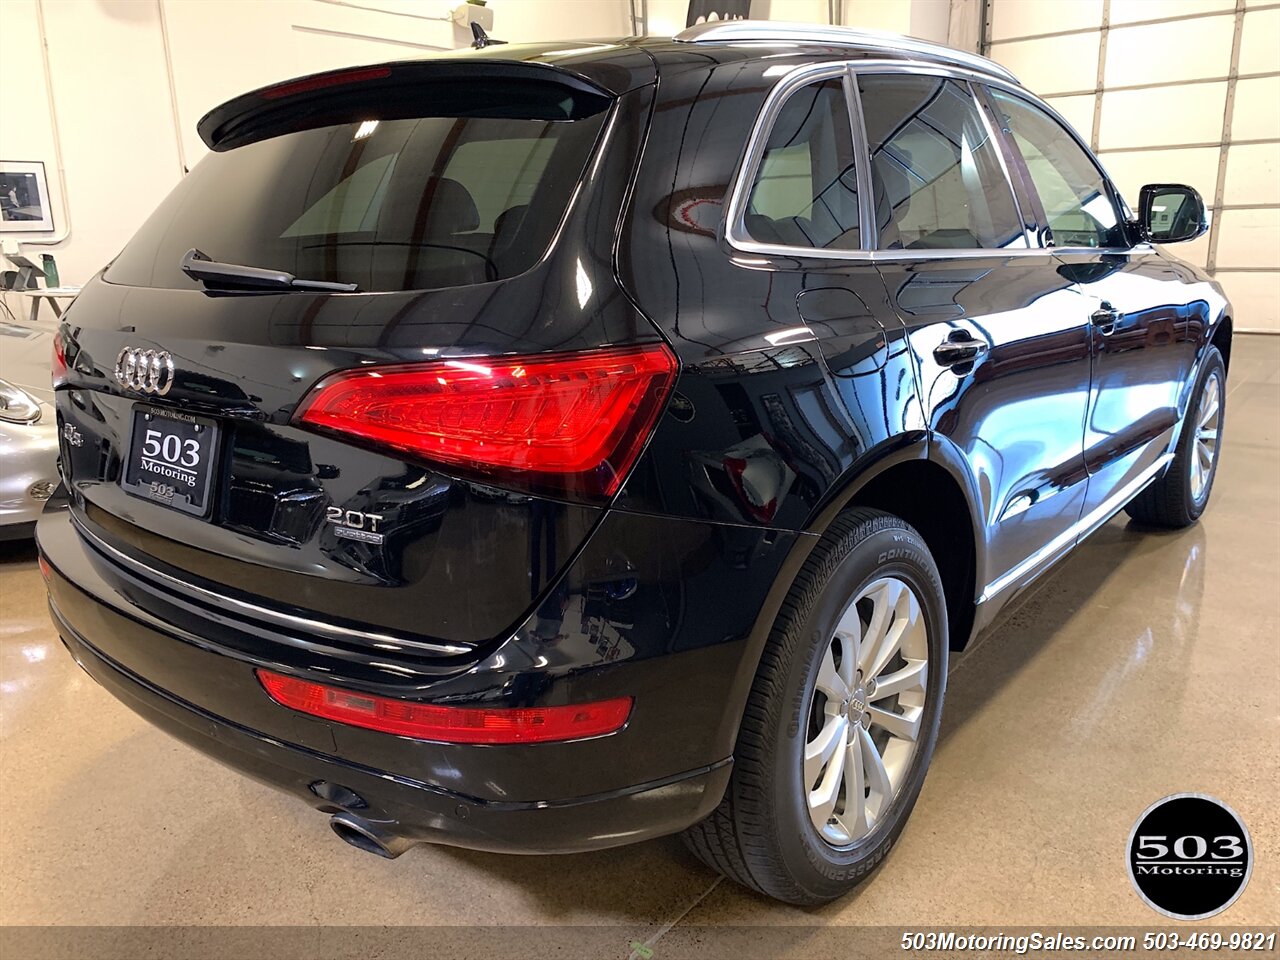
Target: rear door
999, 335
1144, 325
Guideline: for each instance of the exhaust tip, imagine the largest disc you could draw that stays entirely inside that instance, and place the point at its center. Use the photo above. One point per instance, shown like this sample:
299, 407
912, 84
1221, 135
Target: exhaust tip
365, 836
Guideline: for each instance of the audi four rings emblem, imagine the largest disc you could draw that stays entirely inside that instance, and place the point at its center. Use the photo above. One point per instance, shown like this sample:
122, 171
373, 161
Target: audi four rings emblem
149, 371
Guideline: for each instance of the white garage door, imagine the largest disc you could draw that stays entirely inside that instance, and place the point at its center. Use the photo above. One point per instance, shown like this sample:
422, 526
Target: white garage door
1184, 91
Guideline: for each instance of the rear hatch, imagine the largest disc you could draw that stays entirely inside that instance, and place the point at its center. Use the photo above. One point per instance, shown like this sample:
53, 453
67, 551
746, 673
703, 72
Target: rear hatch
365, 380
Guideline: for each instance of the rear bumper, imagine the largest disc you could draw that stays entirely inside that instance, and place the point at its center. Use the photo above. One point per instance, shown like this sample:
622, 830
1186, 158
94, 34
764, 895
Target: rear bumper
666, 769
402, 806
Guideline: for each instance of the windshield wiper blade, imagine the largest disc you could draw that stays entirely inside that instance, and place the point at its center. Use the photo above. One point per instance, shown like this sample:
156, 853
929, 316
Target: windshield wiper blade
234, 276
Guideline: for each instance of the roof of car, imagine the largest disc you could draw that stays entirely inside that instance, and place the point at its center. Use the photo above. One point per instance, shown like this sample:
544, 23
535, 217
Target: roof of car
611, 67
875, 42
611, 63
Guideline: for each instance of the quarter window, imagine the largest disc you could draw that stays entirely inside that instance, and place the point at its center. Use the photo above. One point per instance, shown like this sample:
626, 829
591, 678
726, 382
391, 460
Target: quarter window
1077, 205
935, 173
805, 193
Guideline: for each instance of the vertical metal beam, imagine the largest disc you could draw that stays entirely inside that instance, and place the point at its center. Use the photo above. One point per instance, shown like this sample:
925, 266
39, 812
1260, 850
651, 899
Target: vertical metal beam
984, 28
1215, 224
1102, 74
640, 18
173, 92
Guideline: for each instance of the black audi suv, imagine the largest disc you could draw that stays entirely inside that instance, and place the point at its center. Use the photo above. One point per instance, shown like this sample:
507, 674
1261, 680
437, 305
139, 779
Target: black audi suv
542, 449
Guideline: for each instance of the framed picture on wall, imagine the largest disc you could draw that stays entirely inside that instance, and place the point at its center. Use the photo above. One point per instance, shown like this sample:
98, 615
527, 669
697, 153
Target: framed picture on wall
24, 198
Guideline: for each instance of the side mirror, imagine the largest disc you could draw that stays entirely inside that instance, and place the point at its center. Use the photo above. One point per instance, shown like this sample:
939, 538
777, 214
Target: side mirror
1171, 213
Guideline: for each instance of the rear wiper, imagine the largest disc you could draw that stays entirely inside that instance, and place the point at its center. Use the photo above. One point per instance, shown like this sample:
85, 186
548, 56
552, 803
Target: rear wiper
234, 276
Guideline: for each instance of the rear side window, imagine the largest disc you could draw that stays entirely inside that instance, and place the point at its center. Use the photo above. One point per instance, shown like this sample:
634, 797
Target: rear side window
936, 177
405, 204
1077, 205
805, 192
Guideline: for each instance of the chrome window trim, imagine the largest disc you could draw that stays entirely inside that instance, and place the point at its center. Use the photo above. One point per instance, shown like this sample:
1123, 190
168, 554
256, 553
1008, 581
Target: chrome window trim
735, 234
735, 210
997, 145
868, 232
1124, 214
778, 30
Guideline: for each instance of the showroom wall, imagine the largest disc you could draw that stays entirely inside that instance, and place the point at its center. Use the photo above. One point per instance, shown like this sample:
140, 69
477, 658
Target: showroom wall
107, 92
111, 90
1171, 90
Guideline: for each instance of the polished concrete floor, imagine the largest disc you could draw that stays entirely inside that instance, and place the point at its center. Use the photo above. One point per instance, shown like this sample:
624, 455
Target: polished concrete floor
1148, 664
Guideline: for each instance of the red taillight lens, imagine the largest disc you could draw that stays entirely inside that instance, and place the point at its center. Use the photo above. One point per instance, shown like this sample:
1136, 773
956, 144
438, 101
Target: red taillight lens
573, 422
59, 362
46, 571
448, 724
340, 78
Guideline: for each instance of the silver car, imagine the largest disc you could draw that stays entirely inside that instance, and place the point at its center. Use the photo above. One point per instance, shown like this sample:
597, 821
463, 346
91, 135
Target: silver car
28, 427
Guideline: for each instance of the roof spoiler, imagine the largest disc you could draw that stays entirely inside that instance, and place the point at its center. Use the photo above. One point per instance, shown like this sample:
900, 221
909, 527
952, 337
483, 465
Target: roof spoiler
403, 90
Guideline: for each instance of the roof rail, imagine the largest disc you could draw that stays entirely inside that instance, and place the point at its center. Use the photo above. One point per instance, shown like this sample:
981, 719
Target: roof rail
730, 30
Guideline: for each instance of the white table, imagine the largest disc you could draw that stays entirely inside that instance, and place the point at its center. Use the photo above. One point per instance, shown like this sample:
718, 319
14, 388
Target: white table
53, 295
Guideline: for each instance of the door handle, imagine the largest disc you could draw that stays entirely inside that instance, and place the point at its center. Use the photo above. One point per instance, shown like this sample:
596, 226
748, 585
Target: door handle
959, 347
1105, 318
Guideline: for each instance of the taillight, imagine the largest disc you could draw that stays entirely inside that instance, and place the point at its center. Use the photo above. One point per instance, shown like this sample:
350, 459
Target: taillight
46, 571
569, 422
59, 361
448, 724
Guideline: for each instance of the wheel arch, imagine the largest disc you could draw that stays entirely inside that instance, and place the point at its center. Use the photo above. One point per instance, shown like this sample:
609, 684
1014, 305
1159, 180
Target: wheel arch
924, 481
935, 493
890, 478
1219, 334
1221, 338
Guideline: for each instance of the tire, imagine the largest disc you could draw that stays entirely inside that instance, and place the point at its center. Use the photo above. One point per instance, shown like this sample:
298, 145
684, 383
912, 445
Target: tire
1179, 497
765, 832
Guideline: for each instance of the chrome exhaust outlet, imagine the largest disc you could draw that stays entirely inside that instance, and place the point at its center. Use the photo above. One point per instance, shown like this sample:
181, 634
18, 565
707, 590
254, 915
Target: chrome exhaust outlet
368, 836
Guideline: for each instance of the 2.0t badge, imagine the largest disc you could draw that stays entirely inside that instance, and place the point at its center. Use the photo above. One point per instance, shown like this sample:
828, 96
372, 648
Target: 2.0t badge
355, 524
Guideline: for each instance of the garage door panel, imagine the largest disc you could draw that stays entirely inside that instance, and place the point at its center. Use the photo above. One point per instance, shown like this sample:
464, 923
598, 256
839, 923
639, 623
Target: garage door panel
1024, 18
1253, 174
1057, 65
1077, 111
1260, 42
1248, 238
1163, 116
1195, 251
1131, 169
1169, 52
1127, 11
1170, 130
1255, 299
1257, 110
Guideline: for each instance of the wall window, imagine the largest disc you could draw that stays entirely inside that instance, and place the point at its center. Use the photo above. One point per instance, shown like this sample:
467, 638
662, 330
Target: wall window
805, 193
935, 172
1077, 205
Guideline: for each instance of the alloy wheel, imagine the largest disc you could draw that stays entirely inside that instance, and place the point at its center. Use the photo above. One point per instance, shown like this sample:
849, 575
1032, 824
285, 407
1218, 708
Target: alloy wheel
1208, 426
866, 711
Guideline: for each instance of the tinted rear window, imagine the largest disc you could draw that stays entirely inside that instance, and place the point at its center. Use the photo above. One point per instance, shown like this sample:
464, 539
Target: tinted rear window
406, 204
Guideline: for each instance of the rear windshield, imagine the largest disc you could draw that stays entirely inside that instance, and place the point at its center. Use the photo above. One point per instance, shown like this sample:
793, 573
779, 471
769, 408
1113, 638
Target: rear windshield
386, 204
